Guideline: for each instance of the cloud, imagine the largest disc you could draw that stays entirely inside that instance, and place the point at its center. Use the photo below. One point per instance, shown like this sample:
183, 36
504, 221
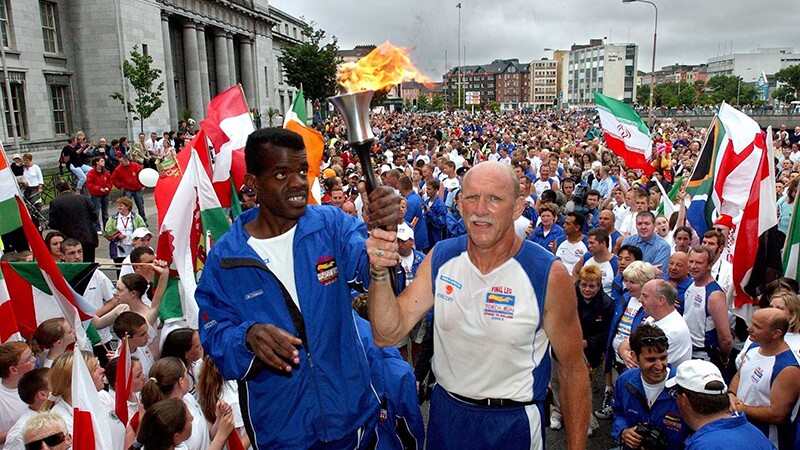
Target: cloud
689, 31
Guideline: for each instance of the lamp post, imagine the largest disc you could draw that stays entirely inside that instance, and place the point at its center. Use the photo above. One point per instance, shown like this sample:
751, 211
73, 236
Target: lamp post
459, 76
739, 87
653, 65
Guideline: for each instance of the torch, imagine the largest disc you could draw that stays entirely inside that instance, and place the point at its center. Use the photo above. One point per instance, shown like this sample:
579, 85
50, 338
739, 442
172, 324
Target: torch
383, 67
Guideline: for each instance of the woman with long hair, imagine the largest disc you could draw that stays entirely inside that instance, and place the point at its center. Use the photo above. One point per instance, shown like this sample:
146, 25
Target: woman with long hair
53, 241
211, 388
170, 379
184, 344
137, 381
51, 340
165, 425
60, 376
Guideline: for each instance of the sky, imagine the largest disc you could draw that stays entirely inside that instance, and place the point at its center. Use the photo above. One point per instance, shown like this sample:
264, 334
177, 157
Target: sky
689, 31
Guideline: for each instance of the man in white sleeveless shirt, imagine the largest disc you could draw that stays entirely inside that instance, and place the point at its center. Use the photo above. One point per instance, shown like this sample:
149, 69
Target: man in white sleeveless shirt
499, 303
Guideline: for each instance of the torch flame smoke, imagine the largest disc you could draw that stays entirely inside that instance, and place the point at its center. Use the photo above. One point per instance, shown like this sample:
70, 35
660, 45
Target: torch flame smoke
383, 67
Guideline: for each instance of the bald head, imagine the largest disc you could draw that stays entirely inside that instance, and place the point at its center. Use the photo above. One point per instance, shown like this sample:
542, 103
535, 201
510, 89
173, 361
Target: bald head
772, 318
494, 170
678, 267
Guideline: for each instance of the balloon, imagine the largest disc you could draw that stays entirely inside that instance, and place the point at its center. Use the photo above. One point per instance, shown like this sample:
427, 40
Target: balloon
148, 177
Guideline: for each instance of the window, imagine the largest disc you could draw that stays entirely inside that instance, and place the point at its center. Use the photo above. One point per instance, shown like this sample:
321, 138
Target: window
49, 31
5, 24
58, 98
17, 105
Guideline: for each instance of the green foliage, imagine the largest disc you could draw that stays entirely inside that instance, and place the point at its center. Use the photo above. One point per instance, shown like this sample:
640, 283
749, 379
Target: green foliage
186, 114
407, 105
272, 113
141, 75
791, 76
423, 104
643, 95
730, 89
312, 65
437, 102
494, 107
784, 94
675, 94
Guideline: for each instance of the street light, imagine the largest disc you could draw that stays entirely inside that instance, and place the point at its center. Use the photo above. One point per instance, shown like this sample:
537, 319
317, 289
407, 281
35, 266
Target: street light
653, 65
459, 77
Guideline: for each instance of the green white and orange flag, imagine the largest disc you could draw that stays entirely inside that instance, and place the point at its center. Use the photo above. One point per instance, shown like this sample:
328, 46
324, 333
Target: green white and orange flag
626, 135
36, 292
193, 220
296, 120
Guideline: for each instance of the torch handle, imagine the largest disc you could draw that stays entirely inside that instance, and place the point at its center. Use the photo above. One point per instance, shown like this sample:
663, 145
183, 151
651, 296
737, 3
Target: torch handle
364, 151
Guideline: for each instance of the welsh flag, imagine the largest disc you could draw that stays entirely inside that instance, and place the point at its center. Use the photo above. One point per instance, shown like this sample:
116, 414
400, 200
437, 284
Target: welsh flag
295, 120
227, 125
89, 420
16, 294
626, 135
191, 219
124, 376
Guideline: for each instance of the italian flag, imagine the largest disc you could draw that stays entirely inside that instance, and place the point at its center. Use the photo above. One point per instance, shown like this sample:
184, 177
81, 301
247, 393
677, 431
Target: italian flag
227, 125
21, 304
193, 220
626, 135
296, 120
89, 420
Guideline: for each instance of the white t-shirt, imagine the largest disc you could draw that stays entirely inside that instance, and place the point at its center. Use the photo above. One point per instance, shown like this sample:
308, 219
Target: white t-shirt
278, 254
126, 227
520, 226
14, 439
33, 176
99, 291
570, 253
652, 391
680, 341
624, 329
200, 438
11, 407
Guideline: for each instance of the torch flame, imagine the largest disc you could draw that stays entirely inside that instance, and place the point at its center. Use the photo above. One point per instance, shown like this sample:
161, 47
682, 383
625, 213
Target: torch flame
383, 67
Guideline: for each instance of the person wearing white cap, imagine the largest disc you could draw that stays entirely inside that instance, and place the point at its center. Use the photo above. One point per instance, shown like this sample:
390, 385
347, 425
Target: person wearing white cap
766, 388
410, 259
140, 238
705, 407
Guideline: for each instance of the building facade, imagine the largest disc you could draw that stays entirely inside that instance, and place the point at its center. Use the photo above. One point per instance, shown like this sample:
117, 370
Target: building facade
512, 83
749, 66
64, 59
609, 69
544, 86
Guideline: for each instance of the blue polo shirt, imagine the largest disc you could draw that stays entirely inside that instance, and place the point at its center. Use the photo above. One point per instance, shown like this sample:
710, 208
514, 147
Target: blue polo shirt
729, 433
655, 250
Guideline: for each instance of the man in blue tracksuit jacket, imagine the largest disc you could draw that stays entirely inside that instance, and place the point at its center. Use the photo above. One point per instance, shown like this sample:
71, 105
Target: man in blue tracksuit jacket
634, 405
278, 318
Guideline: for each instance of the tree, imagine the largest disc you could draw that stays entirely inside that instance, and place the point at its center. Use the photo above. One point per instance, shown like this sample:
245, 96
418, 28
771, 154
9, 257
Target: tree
141, 75
312, 65
730, 89
643, 95
784, 94
272, 113
437, 102
790, 76
422, 102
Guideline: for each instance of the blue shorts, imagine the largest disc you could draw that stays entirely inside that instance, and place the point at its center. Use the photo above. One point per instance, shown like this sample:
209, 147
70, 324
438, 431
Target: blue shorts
458, 425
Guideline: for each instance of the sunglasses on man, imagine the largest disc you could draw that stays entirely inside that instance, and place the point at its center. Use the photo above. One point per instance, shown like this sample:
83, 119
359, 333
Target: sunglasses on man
51, 441
650, 341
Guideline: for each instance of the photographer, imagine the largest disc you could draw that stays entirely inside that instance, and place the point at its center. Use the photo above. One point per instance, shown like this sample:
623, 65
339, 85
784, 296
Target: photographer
645, 414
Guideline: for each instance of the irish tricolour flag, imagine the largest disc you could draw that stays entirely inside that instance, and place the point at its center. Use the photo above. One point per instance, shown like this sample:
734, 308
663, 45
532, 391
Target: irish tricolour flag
295, 120
625, 133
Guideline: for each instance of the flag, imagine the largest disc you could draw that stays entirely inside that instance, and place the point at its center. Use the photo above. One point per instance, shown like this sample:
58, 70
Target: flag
9, 331
124, 375
756, 255
667, 206
295, 120
227, 125
192, 220
89, 423
33, 301
791, 251
626, 135
725, 170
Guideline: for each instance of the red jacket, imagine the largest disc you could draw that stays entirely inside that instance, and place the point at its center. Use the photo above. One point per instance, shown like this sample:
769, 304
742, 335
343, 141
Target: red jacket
127, 178
98, 183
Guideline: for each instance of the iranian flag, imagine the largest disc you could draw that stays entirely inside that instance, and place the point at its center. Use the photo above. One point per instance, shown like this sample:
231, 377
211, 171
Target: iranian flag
89, 419
227, 125
626, 135
61, 299
192, 220
295, 120
122, 390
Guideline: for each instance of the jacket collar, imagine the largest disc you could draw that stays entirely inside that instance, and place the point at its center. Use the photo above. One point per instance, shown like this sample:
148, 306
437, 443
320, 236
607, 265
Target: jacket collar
309, 223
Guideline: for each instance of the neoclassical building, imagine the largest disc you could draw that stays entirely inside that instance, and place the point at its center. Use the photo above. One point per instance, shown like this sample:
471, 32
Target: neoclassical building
64, 58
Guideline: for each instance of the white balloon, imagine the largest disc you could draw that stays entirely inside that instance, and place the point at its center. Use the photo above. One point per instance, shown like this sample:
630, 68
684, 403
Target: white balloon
148, 177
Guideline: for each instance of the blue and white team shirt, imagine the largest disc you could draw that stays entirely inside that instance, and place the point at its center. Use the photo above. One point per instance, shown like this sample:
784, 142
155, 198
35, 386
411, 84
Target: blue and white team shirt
571, 252
695, 313
489, 341
756, 376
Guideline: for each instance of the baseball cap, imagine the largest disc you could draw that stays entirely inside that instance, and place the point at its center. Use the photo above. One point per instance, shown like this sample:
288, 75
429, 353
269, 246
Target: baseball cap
404, 232
141, 232
352, 175
16, 156
695, 374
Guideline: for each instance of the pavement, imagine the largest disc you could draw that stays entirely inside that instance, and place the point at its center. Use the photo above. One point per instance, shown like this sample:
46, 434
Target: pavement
555, 440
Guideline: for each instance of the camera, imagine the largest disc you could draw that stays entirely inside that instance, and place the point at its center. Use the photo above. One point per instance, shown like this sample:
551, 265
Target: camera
579, 199
653, 438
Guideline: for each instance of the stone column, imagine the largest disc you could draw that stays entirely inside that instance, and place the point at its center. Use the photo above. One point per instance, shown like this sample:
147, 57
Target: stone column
246, 49
204, 82
191, 56
169, 71
231, 59
221, 63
